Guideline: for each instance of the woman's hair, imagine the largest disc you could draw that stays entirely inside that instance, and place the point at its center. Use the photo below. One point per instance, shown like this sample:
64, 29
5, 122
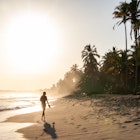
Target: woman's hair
44, 93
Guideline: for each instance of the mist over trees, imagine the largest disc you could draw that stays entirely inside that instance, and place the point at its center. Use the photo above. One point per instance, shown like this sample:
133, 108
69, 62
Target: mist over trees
118, 71
106, 76
68, 84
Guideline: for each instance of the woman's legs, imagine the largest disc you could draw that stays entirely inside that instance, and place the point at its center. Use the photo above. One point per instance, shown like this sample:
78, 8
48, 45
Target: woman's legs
43, 113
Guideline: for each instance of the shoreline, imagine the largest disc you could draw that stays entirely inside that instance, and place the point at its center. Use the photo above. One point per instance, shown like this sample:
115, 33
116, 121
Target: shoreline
74, 119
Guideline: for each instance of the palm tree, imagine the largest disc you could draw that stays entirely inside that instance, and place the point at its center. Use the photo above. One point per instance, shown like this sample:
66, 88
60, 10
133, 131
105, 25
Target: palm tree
111, 69
131, 12
76, 73
134, 14
121, 12
90, 66
89, 55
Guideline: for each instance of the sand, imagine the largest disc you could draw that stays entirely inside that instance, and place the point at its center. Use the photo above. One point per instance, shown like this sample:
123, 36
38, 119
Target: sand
100, 118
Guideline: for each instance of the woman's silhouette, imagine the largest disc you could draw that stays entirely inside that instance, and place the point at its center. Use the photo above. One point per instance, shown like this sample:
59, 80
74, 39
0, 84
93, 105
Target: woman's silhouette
43, 100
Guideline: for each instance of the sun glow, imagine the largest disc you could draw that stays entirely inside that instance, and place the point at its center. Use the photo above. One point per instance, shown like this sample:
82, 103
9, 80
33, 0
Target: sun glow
31, 43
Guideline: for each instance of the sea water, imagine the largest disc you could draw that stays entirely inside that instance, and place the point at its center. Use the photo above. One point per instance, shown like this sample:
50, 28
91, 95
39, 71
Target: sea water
15, 103
17, 100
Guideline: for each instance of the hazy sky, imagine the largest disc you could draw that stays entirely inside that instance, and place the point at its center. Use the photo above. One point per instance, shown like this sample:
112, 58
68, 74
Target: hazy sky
41, 39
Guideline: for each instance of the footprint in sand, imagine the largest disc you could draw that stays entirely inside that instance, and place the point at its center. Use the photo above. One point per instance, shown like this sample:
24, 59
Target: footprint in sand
128, 121
106, 139
136, 124
71, 123
123, 126
84, 129
39, 121
65, 120
84, 117
78, 126
72, 118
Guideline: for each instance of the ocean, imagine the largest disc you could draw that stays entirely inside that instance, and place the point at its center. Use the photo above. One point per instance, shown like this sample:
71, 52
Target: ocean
15, 103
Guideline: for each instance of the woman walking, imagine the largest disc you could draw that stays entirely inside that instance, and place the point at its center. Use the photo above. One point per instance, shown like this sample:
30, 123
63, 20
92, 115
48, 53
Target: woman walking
43, 100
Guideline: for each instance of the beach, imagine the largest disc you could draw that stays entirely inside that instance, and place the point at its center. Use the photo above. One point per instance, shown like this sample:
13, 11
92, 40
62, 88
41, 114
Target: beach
111, 117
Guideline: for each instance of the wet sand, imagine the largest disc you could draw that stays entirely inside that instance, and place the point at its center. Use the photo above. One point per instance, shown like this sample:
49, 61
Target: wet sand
104, 117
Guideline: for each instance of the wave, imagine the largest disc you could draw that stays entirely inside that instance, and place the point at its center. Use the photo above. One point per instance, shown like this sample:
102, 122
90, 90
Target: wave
19, 101
13, 108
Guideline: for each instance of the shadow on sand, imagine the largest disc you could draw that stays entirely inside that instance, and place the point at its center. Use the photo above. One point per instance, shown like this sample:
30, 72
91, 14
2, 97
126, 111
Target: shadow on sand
50, 129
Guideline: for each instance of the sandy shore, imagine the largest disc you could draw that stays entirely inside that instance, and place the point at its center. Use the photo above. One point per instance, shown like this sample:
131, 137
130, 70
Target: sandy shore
100, 118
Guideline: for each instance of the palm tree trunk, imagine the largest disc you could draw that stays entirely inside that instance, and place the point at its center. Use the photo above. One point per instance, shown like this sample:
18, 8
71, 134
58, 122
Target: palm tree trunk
126, 69
136, 61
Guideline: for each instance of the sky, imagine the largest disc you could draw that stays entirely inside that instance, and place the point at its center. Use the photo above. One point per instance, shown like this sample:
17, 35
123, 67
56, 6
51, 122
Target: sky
40, 40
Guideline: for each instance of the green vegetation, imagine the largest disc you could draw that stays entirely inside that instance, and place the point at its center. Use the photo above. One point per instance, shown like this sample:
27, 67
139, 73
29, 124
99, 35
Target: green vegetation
118, 71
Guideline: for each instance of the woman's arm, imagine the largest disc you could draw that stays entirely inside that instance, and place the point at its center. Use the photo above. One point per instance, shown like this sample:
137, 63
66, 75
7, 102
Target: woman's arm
48, 102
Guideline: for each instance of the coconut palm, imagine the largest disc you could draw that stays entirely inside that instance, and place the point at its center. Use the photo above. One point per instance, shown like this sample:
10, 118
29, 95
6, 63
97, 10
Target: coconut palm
134, 14
111, 69
89, 56
76, 73
130, 12
121, 12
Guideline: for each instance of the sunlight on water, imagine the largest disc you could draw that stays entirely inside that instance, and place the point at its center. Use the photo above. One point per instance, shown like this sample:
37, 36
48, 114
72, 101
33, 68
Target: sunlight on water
8, 131
13, 101
12, 104
17, 94
20, 103
32, 109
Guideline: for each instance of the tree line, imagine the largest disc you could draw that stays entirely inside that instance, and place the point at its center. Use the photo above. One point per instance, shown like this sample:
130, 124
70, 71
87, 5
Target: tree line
118, 71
